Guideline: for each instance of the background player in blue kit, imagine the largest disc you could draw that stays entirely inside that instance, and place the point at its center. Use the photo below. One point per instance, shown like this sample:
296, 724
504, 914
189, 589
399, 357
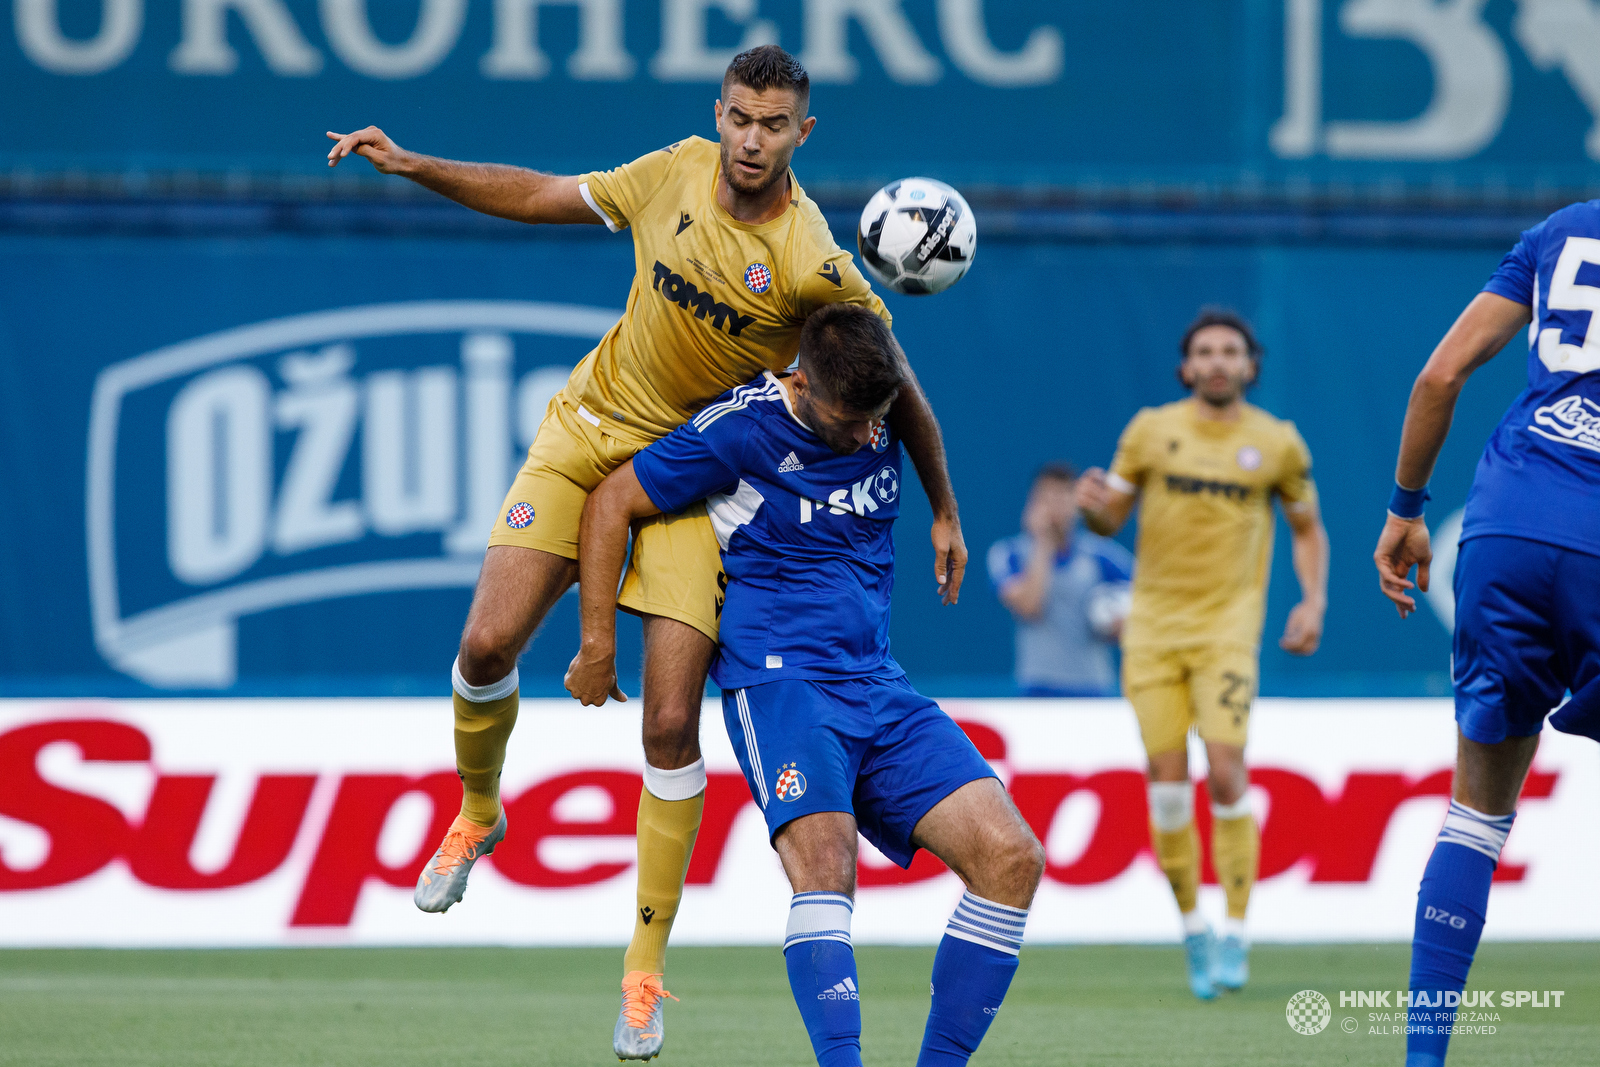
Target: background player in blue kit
802, 480
1526, 578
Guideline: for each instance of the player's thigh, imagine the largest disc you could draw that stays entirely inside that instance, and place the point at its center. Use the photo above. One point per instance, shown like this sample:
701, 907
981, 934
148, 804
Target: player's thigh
675, 571
1222, 684
567, 460
1156, 683
979, 833
918, 757
800, 744
818, 852
676, 659
516, 589
1506, 662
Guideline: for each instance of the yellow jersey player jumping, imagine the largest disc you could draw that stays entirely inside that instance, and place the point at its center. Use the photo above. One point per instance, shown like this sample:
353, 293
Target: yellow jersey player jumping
730, 258
1205, 471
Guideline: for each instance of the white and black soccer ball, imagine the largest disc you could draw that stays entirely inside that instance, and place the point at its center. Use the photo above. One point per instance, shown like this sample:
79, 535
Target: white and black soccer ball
917, 236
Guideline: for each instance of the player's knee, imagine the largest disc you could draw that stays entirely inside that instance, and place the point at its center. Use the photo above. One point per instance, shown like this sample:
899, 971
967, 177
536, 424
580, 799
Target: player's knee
486, 655
1018, 858
671, 735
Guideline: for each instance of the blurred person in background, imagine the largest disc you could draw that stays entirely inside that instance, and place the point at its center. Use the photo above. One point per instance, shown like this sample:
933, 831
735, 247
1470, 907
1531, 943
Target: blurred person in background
1068, 589
1205, 471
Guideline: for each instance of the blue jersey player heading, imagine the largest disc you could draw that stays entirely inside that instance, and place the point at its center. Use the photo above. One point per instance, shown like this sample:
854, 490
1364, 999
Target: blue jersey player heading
802, 480
1527, 619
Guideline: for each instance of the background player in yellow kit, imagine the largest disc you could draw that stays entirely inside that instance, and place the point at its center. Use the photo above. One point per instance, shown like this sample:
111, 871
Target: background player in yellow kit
731, 256
1205, 471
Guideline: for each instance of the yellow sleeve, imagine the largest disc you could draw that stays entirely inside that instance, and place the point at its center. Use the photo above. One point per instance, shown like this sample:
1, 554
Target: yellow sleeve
835, 279
620, 194
1295, 486
1131, 463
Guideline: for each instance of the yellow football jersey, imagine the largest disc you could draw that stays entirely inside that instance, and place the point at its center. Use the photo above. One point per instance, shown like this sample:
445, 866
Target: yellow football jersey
714, 301
1205, 520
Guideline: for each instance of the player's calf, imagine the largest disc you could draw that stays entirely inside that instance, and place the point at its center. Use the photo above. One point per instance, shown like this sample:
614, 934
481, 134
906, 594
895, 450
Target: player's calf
980, 834
819, 856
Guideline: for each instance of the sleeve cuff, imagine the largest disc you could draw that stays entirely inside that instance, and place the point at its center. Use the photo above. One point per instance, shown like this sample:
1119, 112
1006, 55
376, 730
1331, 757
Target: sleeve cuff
588, 198
648, 484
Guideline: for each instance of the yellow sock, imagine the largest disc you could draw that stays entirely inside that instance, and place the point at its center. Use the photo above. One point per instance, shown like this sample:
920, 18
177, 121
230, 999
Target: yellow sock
1235, 850
666, 834
482, 730
1178, 854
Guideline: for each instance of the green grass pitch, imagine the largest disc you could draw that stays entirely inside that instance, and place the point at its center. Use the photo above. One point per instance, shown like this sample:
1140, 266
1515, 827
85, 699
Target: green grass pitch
535, 1007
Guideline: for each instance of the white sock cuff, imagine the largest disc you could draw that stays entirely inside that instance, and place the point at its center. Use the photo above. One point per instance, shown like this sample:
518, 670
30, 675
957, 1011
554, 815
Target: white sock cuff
685, 783
482, 694
1237, 810
818, 917
983, 922
1475, 830
1171, 805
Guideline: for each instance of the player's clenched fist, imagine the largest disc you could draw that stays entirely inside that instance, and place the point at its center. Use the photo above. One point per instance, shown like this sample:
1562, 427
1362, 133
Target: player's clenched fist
592, 677
1403, 544
372, 143
1093, 492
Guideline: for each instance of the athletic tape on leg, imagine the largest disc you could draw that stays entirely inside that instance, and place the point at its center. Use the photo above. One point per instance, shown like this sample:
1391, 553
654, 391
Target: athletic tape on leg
482, 694
685, 783
1171, 805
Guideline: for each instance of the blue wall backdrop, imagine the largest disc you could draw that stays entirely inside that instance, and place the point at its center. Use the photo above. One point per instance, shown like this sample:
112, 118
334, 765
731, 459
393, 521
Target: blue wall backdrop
221, 473
1394, 93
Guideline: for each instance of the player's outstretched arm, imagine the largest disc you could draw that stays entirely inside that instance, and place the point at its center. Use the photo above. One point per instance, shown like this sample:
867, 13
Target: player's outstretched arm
1483, 329
602, 549
915, 424
1104, 509
1309, 545
492, 188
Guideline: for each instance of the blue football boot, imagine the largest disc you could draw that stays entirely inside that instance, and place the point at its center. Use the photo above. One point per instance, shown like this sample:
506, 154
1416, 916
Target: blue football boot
1199, 952
1233, 962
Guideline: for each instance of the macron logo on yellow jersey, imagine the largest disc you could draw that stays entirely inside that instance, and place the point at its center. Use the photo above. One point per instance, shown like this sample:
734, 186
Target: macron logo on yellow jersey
686, 295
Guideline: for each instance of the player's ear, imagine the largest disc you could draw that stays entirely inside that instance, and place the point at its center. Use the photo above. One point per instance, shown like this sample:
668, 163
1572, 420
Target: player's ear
716, 114
807, 124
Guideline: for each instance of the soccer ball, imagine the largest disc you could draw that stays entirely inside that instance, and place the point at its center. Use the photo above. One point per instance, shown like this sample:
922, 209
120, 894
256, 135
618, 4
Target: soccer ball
917, 236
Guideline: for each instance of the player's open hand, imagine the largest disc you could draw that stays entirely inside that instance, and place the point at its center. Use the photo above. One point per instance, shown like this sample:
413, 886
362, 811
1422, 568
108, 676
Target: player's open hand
949, 557
372, 143
1303, 632
592, 677
1403, 544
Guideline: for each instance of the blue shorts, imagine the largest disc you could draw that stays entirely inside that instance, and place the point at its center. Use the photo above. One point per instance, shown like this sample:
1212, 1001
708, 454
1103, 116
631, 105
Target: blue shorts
1527, 630
873, 747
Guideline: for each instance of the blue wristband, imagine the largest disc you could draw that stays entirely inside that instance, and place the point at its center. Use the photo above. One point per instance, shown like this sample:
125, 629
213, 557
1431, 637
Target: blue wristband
1407, 503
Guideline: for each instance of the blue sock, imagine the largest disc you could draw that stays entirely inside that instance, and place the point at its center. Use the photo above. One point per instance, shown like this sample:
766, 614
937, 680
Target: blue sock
1450, 908
822, 976
971, 972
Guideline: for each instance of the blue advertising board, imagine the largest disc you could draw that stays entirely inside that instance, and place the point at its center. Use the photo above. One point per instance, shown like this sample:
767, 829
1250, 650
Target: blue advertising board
1389, 94
269, 464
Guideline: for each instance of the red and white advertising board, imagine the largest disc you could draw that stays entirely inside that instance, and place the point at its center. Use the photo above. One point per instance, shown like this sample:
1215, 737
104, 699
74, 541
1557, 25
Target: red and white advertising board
281, 822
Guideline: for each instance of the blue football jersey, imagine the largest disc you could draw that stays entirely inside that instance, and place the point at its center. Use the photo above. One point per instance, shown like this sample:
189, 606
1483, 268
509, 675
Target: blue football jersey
806, 534
1539, 477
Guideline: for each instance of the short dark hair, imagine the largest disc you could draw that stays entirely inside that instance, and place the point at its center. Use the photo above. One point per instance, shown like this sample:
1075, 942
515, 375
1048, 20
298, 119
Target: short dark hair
1215, 315
769, 67
849, 355
1057, 470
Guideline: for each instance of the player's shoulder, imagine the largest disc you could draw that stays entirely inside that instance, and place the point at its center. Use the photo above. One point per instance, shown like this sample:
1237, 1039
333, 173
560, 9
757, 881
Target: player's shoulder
1580, 218
742, 408
1160, 415
1006, 556
1262, 422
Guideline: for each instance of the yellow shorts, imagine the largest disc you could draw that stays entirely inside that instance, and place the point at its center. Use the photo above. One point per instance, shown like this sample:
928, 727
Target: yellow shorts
1209, 686
675, 568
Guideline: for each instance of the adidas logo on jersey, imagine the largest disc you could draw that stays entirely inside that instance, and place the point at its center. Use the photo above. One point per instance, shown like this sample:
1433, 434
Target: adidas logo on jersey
790, 464
845, 990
